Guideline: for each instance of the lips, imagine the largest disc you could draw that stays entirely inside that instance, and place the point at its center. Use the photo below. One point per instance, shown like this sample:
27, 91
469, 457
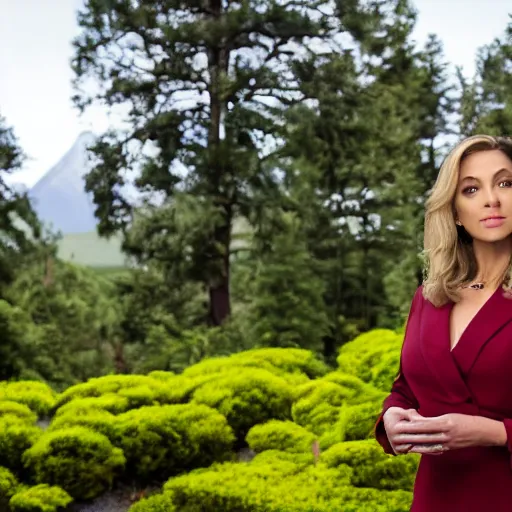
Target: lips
493, 222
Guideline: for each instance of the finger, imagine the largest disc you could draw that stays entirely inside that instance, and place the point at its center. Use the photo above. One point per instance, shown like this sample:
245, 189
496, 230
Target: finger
401, 448
423, 426
413, 414
429, 449
420, 438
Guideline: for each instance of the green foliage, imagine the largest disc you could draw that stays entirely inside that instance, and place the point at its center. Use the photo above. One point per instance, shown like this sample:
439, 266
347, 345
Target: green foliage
486, 105
38, 396
16, 436
100, 386
8, 486
384, 373
161, 375
14, 324
20, 228
224, 176
164, 440
97, 420
82, 462
9, 408
41, 498
357, 421
288, 309
359, 356
157, 503
110, 402
246, 397
318, 405
357, 390
180, 389
294, 488
371, 466
280, 435
73, 317
103, 429
280, 361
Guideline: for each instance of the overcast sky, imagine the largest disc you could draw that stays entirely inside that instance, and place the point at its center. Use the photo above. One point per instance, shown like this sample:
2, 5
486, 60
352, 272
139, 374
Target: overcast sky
35, 77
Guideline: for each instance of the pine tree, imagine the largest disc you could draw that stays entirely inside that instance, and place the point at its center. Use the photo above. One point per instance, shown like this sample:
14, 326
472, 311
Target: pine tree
486, 101
288, 309
203, 87
19, 227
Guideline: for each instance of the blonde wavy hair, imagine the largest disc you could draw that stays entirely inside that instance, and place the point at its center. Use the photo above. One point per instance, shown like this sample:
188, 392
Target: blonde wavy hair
449, 256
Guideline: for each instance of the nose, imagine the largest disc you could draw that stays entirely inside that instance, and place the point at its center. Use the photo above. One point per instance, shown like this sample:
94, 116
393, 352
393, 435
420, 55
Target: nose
492, 199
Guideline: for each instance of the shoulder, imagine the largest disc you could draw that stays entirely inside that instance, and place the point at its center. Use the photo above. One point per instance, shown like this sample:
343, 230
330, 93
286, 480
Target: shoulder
417, 299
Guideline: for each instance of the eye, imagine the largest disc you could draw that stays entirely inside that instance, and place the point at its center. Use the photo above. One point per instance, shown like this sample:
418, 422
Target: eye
506, 184
469, 190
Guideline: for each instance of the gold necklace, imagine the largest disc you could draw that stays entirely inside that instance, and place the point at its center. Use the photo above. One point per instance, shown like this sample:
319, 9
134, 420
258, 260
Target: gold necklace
476, 286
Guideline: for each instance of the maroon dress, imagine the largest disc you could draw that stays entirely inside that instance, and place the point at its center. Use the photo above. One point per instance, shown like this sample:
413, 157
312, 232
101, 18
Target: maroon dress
474, 378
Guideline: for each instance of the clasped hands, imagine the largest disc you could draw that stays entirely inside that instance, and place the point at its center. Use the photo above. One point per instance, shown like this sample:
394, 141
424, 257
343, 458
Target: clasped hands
409, 432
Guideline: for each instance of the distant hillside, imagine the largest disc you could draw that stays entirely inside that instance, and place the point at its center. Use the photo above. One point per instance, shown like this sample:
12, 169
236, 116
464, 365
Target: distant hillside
61, 203
59, 197
90, 250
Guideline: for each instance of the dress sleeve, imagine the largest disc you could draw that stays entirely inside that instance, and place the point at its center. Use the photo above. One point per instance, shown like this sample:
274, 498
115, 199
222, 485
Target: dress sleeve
401, 394
508, 428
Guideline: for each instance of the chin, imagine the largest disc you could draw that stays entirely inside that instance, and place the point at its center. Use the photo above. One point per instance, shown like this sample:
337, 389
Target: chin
492, 238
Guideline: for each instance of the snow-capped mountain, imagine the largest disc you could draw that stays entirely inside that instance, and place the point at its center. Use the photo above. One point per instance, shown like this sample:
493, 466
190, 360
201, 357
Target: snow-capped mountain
59, 197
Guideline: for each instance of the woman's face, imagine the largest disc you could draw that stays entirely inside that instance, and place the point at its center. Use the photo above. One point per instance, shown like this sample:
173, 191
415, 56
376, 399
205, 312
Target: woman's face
483, 200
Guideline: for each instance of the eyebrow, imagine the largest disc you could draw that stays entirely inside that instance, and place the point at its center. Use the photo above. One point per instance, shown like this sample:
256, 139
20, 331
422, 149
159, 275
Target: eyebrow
503, 170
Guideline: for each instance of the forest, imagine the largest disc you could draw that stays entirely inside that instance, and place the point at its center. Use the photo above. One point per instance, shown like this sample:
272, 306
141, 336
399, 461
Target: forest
268, 184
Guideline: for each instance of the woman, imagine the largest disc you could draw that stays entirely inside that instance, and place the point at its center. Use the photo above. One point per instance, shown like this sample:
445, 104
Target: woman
452, 399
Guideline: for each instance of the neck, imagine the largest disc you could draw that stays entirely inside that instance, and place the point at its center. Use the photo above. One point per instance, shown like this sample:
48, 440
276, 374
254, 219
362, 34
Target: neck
492, 259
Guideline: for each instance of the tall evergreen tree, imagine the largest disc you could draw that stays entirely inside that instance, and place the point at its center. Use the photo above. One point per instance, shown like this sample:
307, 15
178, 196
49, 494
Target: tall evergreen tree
363, 158
288, 309
19, 227
203, 86
486, 101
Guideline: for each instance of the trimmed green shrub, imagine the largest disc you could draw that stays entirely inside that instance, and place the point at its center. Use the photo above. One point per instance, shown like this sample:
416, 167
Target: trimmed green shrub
162, 375
16, 436
371, 466
158, 503
280, 435
357, 391
8, 486
110, 402
106, 385
41, 498
164, 440
279, 487
384, 373
39, 397
319, 406
276, 456
369, 342
359, 356
247, 397
94, 419
21, 411
280, 361
357, 421
84, 463
329, 438
179, 389
139, 396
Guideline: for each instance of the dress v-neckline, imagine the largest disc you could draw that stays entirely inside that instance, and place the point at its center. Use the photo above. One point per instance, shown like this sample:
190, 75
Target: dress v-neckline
468, 325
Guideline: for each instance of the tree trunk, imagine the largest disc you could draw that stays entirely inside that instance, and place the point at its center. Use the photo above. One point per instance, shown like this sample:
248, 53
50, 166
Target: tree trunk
220, 301
218, 285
